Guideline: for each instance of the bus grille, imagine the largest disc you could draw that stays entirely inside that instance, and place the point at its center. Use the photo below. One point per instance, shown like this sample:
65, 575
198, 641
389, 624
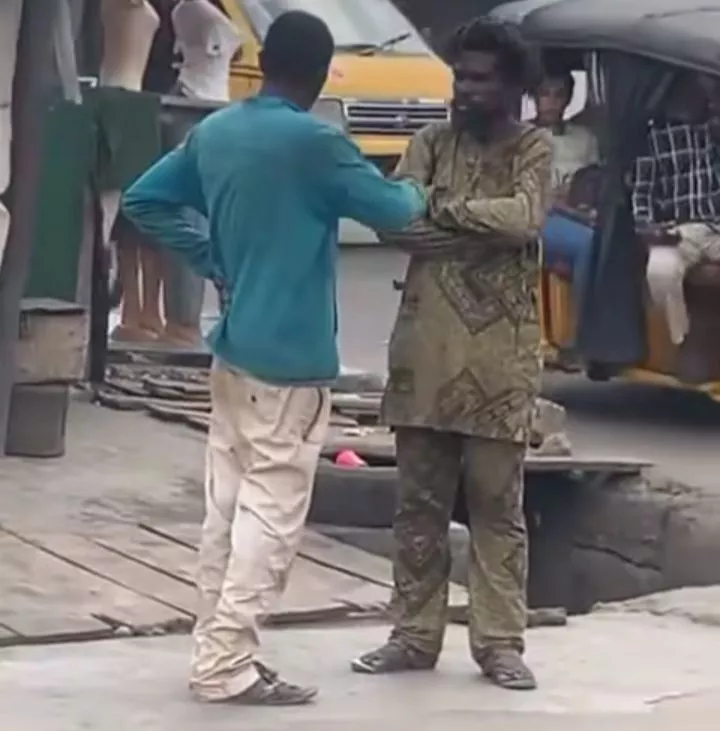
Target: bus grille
393, 118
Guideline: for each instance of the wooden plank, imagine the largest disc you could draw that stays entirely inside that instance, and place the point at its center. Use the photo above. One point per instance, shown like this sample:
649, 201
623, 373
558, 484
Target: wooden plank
375, 444
343, 422
581, 463
175, 394
136, 372
314, 593
149, 550
346, 558
356, 403
185, 389
379, 444
337, 559
6, 633
164, 599
370, 567
180, 415
314, 590
125, 402
184, 534
127, 386
43, 596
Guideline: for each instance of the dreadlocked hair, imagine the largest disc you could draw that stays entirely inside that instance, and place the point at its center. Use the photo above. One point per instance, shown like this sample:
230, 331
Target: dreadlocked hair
519, 63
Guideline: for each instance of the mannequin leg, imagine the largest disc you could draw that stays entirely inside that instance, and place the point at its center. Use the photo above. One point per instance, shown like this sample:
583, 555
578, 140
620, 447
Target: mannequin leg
110, 205
130, 328
183, 298
151, 271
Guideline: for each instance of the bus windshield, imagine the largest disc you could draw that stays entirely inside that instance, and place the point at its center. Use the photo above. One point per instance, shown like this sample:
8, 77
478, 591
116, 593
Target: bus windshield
357, 25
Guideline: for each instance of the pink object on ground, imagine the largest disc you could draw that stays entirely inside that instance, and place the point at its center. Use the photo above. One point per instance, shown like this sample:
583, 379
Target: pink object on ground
348, 458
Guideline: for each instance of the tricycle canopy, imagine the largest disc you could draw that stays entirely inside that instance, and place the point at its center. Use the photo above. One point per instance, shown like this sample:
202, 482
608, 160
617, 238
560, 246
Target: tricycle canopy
679, 32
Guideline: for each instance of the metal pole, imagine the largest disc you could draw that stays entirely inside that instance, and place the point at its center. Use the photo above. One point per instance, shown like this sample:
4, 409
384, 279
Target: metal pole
32, 74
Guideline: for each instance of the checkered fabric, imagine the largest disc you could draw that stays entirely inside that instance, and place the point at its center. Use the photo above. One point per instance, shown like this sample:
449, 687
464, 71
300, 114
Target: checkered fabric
676, 179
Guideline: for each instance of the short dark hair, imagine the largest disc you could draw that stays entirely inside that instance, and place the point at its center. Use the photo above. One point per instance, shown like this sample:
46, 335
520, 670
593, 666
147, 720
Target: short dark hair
518, 62
298, 47
562, 76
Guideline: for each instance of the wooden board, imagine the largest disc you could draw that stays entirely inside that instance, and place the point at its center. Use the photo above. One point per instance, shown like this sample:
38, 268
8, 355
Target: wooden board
585, 463
355, 561
151, 551
43, 596
6, 633
313, 592
370, 575
57, 587
186, 389
346, 558
124, 402
313, 588
316, 592
378, 445
164, 598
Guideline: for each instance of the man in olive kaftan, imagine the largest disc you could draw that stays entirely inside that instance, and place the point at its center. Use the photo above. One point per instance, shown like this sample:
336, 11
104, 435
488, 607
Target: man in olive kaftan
464, 363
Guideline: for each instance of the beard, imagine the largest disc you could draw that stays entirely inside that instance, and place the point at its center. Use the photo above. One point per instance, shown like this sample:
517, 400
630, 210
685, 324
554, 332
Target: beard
473, 119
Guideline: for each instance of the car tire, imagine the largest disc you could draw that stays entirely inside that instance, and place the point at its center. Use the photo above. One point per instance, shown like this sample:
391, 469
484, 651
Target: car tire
357, 497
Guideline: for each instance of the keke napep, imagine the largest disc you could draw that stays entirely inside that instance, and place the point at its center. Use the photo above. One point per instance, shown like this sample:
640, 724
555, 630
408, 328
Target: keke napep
650, 296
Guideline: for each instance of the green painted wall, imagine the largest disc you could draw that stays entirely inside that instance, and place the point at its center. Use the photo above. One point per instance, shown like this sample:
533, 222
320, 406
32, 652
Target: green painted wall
68, 158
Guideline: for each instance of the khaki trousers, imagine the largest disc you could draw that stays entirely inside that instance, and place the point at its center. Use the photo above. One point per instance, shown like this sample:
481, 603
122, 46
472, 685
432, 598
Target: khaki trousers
263, 449
667, 267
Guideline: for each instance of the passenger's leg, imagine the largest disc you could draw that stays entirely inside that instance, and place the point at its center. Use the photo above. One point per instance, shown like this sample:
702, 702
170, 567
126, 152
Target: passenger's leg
568, 242
429, 470
493, 474
258, 498
665, 276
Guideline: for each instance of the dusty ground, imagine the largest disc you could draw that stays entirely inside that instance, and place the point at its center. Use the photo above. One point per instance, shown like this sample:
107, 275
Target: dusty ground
124, 466
140, 684
118, 466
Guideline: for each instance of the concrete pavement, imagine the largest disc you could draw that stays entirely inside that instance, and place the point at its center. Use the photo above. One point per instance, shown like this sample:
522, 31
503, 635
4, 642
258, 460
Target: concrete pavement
605, 671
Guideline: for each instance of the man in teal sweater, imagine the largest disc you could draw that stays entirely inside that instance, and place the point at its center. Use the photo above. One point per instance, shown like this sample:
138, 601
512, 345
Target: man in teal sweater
272, 182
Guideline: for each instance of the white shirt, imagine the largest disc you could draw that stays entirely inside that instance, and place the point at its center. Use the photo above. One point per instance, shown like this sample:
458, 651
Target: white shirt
573, 150
207, 40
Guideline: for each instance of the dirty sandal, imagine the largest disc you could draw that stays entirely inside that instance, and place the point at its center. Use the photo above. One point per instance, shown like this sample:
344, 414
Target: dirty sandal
393, 657
506, 668
275, 693
266, 673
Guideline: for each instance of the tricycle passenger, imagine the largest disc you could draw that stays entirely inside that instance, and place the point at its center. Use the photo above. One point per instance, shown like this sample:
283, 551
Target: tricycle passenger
568, 230
675, 195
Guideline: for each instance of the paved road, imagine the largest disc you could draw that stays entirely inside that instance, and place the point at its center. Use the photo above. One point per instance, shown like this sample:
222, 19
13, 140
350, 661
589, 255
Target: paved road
679, 431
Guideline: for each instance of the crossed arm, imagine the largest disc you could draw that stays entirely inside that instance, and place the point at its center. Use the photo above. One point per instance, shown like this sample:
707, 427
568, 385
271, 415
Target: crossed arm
457, 223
